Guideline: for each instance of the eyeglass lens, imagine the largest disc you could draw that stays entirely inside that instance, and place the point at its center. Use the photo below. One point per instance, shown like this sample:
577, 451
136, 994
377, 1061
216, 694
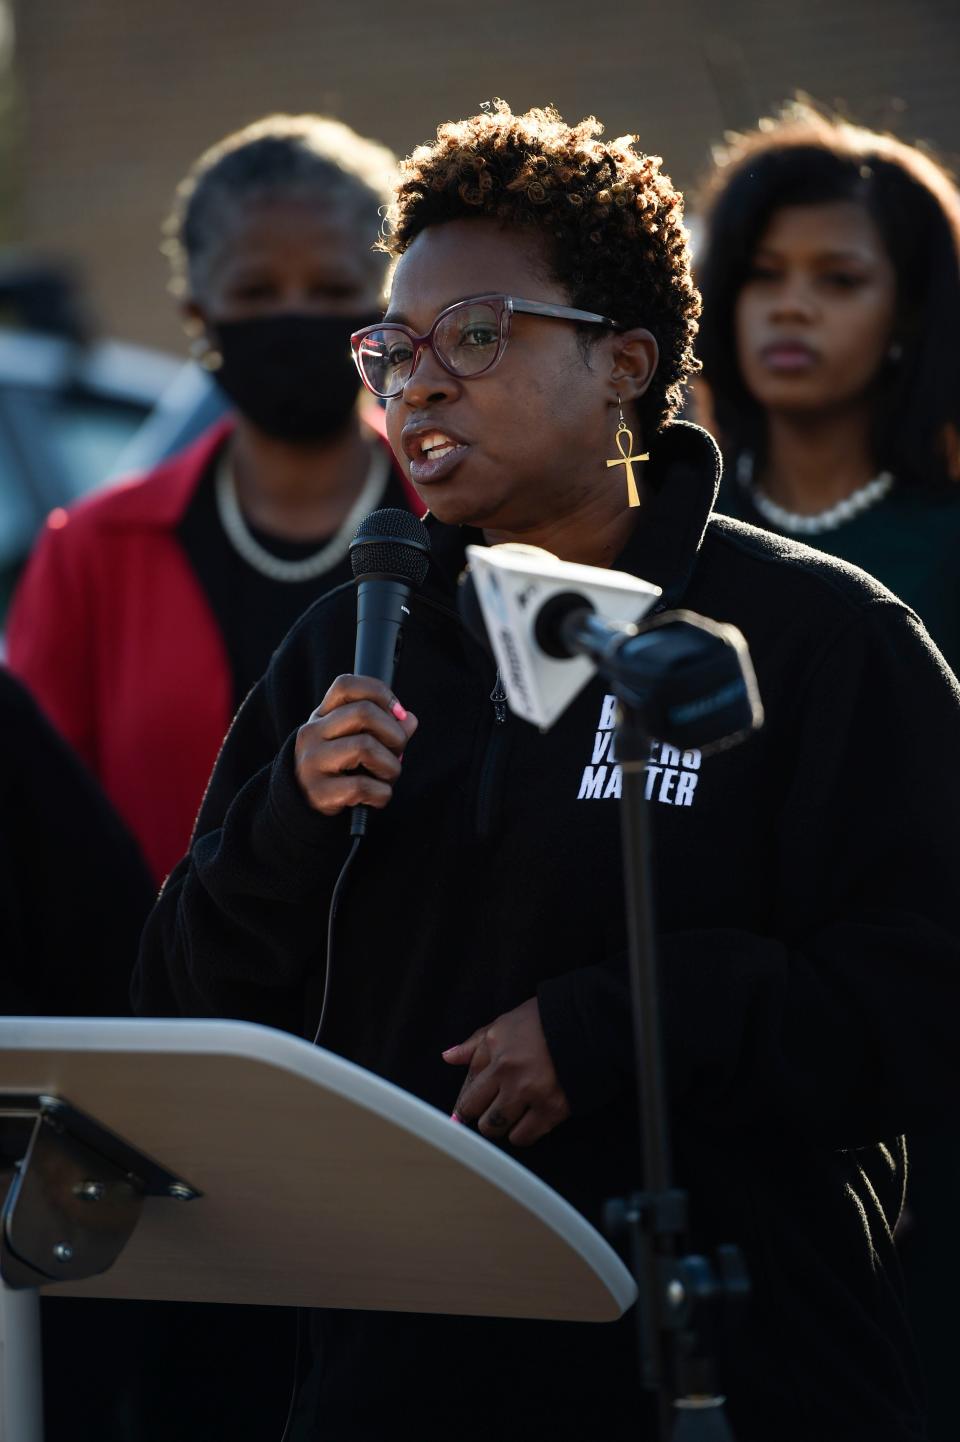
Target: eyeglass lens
467, 342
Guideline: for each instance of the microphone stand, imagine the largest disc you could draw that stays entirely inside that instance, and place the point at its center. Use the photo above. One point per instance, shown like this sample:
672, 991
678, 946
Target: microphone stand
683, 1299
690, 680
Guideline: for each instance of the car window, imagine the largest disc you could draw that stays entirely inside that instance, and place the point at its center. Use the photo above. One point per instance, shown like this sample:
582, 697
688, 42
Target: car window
88, 433
19, 516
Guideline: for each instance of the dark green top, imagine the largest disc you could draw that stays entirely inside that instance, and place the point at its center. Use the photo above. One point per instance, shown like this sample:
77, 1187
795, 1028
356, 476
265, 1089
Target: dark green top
910, 541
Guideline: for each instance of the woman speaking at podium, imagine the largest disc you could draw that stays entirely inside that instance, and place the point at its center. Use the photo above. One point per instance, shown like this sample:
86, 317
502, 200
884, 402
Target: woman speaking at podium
542, 303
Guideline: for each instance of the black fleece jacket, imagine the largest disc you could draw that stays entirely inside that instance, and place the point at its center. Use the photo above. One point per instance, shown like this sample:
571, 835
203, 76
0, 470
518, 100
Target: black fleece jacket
808, 947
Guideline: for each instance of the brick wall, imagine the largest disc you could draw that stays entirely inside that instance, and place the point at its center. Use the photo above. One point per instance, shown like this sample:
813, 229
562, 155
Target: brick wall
118, 96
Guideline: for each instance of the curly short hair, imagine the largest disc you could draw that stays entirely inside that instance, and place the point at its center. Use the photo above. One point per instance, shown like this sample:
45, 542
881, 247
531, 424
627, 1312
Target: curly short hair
610, 221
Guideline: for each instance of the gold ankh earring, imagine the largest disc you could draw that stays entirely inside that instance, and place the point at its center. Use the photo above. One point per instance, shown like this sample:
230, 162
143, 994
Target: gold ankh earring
624, 440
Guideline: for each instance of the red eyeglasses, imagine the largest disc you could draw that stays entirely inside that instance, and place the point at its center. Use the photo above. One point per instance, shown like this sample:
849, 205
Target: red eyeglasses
468, 339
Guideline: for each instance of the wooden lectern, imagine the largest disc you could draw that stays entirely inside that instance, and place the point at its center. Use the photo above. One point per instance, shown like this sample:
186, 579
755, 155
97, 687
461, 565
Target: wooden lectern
214, 1161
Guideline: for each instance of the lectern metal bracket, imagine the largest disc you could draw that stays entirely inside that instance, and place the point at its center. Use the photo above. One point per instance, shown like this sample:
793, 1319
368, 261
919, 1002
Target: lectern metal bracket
75, 1191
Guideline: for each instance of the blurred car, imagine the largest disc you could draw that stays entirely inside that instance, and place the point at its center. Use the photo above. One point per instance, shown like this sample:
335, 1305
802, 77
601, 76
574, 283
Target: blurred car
76, 413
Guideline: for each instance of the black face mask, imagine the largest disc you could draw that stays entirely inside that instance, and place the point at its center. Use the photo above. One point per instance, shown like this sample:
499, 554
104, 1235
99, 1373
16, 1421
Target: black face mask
292, 375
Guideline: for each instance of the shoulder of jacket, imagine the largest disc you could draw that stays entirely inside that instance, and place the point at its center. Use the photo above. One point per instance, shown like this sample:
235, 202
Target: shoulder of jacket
317, 648
790, 571
328, 621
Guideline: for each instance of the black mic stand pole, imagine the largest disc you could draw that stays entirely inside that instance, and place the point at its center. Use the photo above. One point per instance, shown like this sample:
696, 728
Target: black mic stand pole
681, 1298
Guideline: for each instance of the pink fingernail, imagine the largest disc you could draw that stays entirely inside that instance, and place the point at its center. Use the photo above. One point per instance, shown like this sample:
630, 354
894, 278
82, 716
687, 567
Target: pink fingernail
399, 711
455, 1118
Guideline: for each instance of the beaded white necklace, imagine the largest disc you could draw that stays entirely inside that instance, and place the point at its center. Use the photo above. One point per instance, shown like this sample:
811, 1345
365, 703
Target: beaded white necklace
797, 525
276, 568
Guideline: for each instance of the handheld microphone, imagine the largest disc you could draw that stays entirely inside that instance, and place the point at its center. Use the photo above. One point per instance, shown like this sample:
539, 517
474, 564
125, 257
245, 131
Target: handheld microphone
390, 555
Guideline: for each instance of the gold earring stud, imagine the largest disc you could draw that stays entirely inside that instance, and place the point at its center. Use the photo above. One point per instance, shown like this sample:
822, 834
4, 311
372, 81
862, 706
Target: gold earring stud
205, 354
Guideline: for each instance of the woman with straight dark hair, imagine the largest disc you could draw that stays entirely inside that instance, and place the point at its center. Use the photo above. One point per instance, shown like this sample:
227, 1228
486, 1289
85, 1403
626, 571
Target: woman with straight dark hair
541, 306
830, 274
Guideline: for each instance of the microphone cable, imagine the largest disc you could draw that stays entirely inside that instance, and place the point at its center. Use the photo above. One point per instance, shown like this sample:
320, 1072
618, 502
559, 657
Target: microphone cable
298, 1351
301, 1322
331, 919
390, 553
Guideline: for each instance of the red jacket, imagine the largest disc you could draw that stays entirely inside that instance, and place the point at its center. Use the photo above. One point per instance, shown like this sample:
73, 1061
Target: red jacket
112, 633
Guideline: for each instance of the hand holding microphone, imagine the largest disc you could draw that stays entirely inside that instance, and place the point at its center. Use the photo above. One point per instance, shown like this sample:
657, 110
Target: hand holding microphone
348, 753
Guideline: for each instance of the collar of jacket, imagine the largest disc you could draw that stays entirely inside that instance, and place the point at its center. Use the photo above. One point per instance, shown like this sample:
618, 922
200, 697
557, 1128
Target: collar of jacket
682, 478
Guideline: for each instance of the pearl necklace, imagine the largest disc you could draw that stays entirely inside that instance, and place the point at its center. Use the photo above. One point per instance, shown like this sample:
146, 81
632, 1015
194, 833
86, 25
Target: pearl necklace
275, 568
829, 520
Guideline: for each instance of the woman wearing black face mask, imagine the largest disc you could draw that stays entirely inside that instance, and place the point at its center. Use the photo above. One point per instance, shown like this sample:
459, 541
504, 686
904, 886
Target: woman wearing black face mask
148, 611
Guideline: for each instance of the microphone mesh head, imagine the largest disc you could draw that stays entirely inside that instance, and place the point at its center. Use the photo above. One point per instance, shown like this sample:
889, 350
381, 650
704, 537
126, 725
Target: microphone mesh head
392, 543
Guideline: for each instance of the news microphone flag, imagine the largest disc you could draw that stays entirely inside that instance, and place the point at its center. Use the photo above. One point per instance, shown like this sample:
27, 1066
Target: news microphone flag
513, 582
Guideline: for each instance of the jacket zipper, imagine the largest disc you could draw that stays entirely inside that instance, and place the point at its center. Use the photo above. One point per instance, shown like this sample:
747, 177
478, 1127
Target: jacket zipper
499, 698
491, 771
